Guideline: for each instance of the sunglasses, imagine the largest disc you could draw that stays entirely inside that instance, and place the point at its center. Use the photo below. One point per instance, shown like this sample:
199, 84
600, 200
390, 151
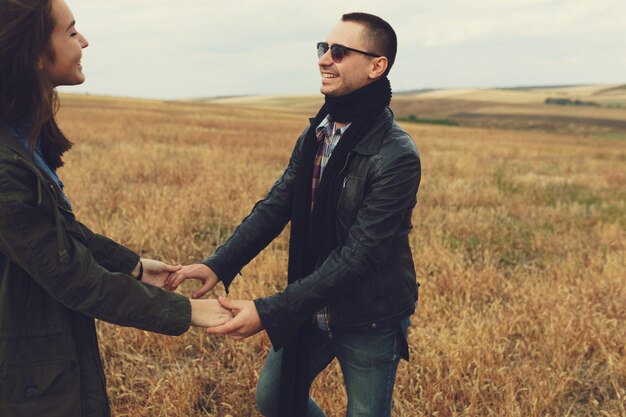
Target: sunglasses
337, 52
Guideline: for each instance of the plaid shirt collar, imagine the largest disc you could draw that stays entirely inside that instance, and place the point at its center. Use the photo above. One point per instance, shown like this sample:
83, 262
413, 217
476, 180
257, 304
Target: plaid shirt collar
326, 129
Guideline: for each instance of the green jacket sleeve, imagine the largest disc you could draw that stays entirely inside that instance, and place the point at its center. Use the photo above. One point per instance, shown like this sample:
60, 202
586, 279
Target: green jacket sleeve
34, 239
108, 253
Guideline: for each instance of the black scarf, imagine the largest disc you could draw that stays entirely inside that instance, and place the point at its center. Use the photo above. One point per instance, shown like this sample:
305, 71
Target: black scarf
313, 235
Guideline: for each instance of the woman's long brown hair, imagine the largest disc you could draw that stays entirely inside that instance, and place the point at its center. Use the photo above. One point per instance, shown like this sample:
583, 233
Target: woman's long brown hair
25, 91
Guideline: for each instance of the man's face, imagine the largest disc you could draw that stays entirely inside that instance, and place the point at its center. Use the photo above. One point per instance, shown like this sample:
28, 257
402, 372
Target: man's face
354, 71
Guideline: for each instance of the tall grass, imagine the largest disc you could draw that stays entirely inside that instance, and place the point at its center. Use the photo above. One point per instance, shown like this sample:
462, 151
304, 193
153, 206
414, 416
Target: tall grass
519, 244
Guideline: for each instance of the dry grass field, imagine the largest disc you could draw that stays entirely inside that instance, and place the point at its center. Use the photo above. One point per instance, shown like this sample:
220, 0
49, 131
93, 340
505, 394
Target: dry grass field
502, 108
519, 244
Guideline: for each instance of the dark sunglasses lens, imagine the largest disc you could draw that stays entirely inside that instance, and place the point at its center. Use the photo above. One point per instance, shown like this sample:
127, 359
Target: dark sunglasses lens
322, 48
337, 52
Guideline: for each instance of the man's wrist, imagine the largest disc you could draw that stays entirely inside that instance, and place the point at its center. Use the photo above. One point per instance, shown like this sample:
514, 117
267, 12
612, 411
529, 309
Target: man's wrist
215, 270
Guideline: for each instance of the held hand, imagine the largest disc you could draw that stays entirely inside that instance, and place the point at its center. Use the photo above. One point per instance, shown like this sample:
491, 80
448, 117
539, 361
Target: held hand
208, 313
200, 272
156, 272
246, 322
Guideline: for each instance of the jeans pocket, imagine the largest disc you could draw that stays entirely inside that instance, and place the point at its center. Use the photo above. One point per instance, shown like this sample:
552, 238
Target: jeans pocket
367, 347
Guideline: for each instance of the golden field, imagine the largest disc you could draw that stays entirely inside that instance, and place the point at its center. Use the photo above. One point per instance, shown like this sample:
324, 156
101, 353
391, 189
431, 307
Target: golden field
519, 243
602, 109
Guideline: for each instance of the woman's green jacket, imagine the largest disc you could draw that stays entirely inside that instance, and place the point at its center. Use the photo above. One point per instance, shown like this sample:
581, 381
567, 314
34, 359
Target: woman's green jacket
56, 276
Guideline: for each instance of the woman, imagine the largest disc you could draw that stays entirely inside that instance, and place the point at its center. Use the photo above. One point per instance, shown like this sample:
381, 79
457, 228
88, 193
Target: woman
55, 274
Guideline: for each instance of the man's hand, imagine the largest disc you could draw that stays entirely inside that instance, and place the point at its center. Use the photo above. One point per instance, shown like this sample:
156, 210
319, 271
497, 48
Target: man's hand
246, 322
200, 272
156, 272
208, 313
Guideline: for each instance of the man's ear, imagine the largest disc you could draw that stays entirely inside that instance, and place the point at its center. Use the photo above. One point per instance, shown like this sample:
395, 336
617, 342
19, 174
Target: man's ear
379, 67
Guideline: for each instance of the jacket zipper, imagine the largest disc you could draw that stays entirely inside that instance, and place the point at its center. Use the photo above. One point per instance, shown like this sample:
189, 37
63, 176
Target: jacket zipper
343, 187
345, 165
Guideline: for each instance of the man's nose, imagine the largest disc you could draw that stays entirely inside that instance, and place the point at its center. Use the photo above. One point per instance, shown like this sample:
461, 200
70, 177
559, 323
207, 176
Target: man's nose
326, 59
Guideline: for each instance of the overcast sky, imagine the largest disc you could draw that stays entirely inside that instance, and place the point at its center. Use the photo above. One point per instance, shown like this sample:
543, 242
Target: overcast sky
205, 48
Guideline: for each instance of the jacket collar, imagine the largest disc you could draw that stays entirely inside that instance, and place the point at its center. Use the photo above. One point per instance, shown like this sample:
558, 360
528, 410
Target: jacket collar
6, 139
370, 144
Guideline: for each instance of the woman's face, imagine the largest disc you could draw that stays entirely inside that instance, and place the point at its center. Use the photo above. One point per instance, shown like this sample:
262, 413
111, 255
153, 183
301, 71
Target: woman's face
61, 62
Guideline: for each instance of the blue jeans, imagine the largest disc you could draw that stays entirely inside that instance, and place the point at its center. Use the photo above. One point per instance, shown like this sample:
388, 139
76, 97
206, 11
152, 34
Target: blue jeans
368, 359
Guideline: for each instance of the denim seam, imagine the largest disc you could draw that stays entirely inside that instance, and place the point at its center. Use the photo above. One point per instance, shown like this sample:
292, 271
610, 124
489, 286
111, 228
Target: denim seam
389, 390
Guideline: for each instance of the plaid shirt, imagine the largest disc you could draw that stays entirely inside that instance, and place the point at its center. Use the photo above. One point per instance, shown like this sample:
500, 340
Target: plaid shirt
328, 137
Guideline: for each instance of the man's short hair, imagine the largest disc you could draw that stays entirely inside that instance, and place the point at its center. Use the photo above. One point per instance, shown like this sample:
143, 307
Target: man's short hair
381, 35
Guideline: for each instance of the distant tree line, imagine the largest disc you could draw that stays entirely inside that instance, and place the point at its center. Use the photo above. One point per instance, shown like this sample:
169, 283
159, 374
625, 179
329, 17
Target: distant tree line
568, 102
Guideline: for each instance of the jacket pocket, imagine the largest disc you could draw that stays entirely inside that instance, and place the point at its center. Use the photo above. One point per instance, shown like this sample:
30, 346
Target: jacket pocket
50, 388
350, 200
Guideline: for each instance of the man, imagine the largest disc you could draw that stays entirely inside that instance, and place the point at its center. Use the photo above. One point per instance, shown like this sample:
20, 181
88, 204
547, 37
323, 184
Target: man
349, 191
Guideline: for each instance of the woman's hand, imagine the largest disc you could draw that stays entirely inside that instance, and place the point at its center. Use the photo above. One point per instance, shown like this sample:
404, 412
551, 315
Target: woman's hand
200, 272
157, 272
209, 313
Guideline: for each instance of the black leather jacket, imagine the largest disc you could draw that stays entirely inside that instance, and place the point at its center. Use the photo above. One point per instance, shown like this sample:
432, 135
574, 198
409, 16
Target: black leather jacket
369, 280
